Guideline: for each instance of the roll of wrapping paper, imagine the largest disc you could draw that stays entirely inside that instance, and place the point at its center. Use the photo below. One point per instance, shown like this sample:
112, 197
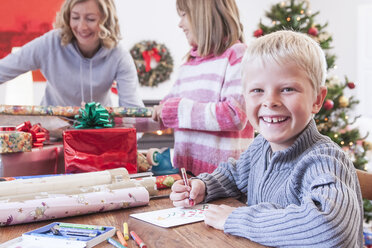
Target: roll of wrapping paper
70, 111
62, 182
71, 205
148, 183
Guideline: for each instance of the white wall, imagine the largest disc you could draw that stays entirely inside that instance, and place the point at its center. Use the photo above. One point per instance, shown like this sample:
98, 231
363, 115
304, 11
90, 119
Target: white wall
158, 20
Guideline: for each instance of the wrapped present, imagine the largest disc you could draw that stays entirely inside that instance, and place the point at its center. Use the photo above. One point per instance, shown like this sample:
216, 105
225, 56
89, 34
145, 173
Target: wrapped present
15, 142
166, 181
39, 134
88, 150
49, 160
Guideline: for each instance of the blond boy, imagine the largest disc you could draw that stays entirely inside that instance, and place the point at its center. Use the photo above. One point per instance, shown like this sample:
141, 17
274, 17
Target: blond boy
301, 188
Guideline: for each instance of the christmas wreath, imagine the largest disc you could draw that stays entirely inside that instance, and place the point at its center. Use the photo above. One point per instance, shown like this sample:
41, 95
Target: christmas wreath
153, 61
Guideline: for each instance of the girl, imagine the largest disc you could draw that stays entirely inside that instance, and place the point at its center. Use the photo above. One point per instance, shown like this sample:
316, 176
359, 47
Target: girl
80, 58
206, 106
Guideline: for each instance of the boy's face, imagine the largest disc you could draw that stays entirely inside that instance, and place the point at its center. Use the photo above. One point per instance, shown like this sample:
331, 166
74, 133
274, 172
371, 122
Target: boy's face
280, 101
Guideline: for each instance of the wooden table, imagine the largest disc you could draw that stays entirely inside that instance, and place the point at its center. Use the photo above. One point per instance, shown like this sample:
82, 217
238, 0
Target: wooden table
191, 235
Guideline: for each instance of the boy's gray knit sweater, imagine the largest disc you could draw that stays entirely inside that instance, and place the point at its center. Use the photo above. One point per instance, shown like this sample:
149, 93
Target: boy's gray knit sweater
307, 195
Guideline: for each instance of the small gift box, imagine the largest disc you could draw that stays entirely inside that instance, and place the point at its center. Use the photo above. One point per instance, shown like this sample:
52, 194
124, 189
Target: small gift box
39, 134
48, 160
15, 142
88, 150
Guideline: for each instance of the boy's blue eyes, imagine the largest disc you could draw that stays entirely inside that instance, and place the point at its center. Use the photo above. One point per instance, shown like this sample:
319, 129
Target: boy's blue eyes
287, 89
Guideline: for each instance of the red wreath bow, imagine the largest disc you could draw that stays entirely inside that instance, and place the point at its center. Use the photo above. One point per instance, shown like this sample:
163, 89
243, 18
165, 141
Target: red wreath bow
39, 134
154, 53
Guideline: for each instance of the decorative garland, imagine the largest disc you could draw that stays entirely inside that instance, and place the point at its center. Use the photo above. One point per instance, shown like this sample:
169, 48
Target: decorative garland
142, 53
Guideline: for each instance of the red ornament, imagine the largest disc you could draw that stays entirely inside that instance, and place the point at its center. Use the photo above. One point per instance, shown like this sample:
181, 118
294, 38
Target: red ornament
258, 33
313, 31
328, 104
351, 85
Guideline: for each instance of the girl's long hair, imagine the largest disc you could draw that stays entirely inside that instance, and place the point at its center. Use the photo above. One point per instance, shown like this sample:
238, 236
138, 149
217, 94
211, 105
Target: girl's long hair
215, 24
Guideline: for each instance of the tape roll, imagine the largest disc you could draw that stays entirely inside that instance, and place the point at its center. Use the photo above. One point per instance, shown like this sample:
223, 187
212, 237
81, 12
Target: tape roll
151, 156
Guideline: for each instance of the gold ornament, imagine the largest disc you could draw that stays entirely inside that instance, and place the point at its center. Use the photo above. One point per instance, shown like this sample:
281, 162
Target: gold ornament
343, 101
367, 144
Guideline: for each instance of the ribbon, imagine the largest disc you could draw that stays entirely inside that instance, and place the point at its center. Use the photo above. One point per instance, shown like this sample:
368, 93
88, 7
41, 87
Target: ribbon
7, 128
148, 54
93, 116
39, 134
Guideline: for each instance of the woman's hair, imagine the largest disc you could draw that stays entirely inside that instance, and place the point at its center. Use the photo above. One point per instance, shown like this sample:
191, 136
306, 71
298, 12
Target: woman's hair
215, 24
289, 47
109, 24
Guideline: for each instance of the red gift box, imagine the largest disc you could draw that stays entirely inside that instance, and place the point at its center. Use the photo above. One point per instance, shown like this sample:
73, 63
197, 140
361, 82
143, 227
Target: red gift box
89, 150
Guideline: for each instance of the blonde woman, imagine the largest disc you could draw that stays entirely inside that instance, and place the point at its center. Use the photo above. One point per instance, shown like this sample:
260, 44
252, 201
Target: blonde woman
80, 58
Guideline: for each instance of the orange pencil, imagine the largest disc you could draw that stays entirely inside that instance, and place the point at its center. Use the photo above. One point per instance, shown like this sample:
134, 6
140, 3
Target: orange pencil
121, 238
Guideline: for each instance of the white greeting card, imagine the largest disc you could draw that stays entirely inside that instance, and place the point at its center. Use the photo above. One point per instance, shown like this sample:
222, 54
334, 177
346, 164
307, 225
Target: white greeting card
173, 216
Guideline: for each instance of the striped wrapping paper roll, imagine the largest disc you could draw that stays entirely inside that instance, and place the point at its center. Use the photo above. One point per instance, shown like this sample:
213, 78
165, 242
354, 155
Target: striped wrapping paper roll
70, 111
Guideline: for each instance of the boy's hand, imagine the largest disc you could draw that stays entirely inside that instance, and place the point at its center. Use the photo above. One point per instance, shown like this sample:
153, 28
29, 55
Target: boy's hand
216, 215
180, 193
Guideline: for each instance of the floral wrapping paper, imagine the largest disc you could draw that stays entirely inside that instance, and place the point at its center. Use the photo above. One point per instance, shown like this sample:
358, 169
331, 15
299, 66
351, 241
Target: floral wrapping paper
70, 111
60, 206
15, 142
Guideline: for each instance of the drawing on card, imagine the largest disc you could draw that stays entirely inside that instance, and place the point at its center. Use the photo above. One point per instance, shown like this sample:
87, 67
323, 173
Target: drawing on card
173, 216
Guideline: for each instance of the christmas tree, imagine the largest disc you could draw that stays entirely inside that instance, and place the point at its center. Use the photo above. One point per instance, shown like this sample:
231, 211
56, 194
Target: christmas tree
334, 119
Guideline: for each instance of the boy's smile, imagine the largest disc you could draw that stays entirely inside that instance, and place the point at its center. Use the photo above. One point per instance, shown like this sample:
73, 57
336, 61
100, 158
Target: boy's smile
280, 101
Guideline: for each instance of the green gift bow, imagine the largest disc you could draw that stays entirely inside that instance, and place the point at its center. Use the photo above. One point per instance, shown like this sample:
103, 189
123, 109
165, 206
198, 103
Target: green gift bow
93, 116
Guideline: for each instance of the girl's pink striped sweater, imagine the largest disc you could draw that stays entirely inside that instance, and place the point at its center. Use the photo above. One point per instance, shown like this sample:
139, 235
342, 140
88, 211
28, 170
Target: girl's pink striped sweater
206, 108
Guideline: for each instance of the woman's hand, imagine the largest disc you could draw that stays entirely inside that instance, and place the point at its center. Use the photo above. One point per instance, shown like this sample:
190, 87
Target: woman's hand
181, 193
216, 215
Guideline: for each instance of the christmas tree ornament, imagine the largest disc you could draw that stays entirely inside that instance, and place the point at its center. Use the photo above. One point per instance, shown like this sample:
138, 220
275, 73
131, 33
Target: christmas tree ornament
313, 31
328, 104
153, 61
343, 101
258, 33
351, 85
